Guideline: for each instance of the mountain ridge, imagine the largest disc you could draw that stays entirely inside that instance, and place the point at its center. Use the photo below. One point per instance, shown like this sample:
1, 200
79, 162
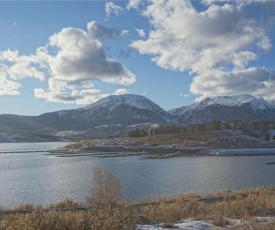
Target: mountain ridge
224, 108
130, 109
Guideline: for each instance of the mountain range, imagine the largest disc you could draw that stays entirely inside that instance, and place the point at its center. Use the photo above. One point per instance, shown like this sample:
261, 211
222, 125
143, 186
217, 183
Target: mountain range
225, 108
129, 110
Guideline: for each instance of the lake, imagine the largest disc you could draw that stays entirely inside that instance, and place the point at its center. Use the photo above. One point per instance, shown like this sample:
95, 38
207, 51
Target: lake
44, 179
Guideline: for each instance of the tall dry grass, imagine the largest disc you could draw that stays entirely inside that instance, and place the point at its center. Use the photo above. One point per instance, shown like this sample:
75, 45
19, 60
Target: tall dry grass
107, 211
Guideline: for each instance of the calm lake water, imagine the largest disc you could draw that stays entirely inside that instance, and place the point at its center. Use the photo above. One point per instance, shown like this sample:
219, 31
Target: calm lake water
39, 179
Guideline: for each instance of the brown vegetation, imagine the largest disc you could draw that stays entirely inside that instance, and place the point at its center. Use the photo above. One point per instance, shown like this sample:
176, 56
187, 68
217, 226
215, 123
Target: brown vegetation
106, 210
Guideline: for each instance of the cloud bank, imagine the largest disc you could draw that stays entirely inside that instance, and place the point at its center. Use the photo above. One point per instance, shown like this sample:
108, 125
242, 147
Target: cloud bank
217, 46
71, 61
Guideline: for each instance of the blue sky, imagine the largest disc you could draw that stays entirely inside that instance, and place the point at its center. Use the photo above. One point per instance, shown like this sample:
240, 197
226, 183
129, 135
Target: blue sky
67, 54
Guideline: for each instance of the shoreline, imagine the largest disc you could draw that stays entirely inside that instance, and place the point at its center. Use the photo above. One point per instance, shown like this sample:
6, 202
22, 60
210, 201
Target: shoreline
161, 153
250, 208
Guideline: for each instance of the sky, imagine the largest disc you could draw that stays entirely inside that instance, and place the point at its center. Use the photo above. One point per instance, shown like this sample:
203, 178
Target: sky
69, 54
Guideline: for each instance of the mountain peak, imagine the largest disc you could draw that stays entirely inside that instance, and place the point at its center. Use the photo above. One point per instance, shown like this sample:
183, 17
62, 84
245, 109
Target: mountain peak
113, 101
132, 102
234, 100
233, 107
237, 100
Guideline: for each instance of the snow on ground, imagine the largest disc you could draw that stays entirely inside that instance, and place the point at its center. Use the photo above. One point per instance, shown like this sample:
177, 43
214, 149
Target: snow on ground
190, 224
238, 139
69, 133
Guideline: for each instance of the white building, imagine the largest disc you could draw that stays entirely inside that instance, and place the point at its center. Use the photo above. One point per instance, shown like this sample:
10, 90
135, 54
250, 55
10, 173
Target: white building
271, 133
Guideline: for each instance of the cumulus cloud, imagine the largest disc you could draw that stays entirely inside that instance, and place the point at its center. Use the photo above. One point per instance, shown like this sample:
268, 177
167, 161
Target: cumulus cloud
133, 4
15, 67
209, 2
257, 80
140, 32
121, 91
216, 45
72, 59
184, 95
239, 2
111, 8
85, 96
81, 58
7, 87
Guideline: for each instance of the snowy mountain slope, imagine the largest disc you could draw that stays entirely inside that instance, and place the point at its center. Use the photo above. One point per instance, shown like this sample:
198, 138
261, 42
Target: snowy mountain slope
239, 100
141, 107
224, 108
127, 109
124, 109
127, 99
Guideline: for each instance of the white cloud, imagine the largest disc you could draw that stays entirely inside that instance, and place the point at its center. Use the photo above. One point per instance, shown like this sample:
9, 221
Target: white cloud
15, 67
133, 4
256, 80
209, 2
140, 32
22, 70
81, 59
75, 96
121, 91
111, 8
184, 95
72, 60
239, 2
216, 45
7, 87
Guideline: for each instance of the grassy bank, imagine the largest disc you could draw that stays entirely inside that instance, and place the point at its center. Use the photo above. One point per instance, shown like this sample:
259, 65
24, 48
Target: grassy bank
106, 211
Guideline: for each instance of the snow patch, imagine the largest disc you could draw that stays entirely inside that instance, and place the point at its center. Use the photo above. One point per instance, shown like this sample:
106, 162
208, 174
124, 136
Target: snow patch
188, 225
69, 133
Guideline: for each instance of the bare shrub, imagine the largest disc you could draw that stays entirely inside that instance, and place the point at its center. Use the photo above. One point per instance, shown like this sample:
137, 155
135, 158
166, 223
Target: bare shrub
106, 211
107, 188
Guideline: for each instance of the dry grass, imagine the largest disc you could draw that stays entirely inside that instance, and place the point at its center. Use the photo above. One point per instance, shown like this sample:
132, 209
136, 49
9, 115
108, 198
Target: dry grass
106, 211
248, 205
66, 204
180, 139
74, 145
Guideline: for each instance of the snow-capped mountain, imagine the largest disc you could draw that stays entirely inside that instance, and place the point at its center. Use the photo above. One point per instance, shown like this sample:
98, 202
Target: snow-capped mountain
140, 107
127, 108
225, 108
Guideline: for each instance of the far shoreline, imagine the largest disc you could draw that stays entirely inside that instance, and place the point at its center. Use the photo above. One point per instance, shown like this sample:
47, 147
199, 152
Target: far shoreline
161, 153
